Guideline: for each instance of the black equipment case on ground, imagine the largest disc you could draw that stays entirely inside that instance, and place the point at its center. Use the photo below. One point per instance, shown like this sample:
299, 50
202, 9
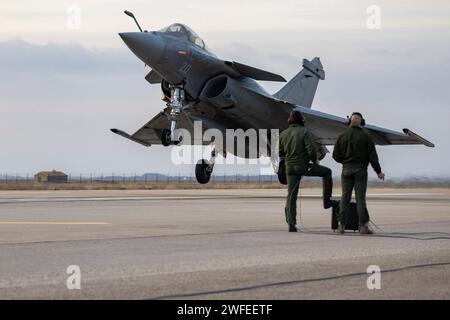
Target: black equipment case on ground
352, 218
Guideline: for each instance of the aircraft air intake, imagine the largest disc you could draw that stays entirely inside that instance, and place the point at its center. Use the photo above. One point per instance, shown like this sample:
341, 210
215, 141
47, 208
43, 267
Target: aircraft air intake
221, 91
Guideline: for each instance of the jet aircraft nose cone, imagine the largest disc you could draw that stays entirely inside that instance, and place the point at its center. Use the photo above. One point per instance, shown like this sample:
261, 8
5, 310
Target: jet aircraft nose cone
147, 46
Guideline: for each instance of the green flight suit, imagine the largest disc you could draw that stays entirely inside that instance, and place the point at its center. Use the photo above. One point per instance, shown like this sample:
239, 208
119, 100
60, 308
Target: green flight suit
298, 149
355, 150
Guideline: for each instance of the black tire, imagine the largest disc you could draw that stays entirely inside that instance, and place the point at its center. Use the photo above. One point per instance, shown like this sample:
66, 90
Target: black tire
165, 137
166, 141
201, 173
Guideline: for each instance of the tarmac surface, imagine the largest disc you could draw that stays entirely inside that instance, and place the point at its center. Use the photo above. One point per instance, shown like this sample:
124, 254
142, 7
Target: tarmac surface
219, 244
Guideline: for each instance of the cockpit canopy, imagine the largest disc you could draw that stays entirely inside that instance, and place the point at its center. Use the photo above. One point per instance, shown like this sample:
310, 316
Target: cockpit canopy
183, 31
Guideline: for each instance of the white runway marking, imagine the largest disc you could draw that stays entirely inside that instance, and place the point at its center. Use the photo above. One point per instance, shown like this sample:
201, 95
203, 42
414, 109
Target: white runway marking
51, 223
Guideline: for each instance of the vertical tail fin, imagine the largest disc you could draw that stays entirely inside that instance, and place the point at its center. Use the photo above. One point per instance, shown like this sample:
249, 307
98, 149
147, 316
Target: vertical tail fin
301, 89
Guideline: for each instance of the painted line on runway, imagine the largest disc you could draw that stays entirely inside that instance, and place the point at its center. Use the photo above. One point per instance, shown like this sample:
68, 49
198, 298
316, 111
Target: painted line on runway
52, 223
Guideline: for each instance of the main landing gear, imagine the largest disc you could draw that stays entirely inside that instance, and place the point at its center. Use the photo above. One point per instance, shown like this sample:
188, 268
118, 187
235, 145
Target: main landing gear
204, 168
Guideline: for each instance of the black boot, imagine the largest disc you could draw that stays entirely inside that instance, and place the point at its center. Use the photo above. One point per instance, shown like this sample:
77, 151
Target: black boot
328, 203
292, 228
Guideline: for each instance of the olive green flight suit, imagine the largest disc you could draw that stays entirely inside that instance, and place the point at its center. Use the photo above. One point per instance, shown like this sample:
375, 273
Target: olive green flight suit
355, 150
297, 147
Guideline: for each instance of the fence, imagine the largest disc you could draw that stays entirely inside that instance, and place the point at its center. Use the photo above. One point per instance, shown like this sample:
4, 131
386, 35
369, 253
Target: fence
11, 181
157, 180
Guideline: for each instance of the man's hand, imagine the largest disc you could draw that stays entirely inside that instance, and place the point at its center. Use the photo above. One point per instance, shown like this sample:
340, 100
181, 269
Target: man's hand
381, 176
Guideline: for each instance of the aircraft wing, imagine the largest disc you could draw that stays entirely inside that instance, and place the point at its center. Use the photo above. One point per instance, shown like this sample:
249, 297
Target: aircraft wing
153, 77
326, 128
150, 133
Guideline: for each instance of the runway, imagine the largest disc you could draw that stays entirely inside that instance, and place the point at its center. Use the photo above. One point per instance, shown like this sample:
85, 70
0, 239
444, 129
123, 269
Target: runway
219, 244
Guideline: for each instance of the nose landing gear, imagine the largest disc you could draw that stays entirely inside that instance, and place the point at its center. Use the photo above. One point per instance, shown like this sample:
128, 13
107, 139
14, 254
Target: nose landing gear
166, 138
176, 104
204, 168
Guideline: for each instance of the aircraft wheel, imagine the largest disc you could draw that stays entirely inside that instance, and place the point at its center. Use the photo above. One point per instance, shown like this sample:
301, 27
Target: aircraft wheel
165, 137
166, 141
202, 172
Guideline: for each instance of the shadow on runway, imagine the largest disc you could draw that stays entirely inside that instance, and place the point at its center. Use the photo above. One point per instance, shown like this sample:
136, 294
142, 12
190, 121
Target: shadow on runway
433, 235
297, 281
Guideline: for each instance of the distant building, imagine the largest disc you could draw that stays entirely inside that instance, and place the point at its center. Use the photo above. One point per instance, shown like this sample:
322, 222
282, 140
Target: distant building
51, 177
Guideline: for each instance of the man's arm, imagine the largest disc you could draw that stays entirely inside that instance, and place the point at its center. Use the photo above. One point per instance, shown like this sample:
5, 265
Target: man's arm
373, 157
281, 148
310, 147
337, 152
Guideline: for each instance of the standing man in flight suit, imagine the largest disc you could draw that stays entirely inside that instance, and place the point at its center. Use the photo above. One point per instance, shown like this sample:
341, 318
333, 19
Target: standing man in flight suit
355, 150
298, 149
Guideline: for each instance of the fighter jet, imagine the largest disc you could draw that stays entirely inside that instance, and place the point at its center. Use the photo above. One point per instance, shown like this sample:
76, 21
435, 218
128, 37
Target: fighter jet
199, 86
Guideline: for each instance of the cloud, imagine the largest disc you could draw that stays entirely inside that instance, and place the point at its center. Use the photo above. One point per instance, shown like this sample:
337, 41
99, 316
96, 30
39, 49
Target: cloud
19, 56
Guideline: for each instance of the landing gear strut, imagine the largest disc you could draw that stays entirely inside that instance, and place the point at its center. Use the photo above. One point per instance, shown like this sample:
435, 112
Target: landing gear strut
204, 168
176, 105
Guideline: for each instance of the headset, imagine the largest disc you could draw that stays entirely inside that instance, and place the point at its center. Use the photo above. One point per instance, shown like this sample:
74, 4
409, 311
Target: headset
302, 118
363, 121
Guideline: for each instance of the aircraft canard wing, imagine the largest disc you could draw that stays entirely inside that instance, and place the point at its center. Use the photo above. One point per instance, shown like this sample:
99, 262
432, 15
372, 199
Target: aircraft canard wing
255, 73
326, 128
153, 77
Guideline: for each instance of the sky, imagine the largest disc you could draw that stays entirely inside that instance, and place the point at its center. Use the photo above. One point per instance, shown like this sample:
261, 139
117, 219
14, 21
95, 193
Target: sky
66, 77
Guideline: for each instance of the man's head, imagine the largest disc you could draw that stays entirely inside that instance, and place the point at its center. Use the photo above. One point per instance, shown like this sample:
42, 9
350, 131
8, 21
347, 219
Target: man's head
356, 119
296, 117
